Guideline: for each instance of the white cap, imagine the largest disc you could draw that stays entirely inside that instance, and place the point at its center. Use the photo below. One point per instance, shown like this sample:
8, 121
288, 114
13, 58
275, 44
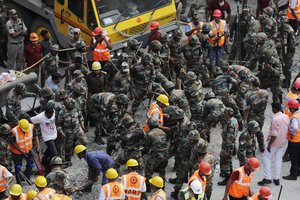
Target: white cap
196, 187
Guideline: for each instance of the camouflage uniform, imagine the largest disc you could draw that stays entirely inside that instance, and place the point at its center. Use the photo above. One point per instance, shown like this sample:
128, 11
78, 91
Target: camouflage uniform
70, 122
165, 56
50, 65
13, 106
229, 135
256, 103
74, 67
46, 95
249, 40
5, 153
133, 52
247, 142
58, 102
3, 18
268, 23
122, 80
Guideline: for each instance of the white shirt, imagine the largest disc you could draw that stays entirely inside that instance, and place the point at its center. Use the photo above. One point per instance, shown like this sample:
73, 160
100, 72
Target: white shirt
7, 174
49, 83
48, 127
293, 4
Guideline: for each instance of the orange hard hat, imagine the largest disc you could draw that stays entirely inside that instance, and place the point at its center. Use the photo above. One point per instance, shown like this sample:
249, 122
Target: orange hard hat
217, 13
293, 103
254, 163
205, 168
98, 31
296, 84
265, 192
154, 25
33, 37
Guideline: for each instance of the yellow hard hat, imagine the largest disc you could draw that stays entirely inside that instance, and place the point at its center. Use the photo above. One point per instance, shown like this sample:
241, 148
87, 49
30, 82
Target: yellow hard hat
24, 125
111, 173
96, 66
16, 190
164, 99
132, 163
31, 194
157, 181
79, 148
41, 181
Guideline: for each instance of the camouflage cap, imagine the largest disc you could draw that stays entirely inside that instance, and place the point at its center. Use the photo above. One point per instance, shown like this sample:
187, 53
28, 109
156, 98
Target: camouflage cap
209, 95
147, 57
164, 38
133, 42
194, 135
70, 103
61, 94
156, 45
177, 33
201, 147
122, 99
191, 76
206, 28
194, 40
253, 126
20, 88
261, 37
152, 122
79, 89
5, 129
224, 65
78, 73
218, 71
268, 11
127, 120
56, 160
169, 85
12, 12
47, 92
80, 44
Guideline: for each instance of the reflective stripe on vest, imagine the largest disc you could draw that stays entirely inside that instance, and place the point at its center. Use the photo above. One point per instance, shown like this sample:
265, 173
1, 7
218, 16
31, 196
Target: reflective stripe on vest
218, 32
46, 194
133, 185
289, 97
196, 176
240, 187
296, 10
186, 194
2, 178
23, 140
159, 193
295, 138
113, 190
154, 108
101, 52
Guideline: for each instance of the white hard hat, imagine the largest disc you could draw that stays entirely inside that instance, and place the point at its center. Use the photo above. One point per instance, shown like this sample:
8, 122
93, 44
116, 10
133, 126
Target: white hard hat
196, 187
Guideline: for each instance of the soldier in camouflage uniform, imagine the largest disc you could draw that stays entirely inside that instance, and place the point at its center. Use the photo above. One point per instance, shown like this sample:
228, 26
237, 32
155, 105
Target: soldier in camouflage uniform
132, 139
58, 179
247, 142
256, 103
223, 86
58, 101
5, 153
76, 39
229, 135
80, 52
183, 154
70, 125
79, 94
199, 154
122, 80
193, 56
46, 96
133, 51
3, 17
165, 56
249, 40
50, 64
143, 75
77, 65
78, 79
13, 106
268, 23
157, 148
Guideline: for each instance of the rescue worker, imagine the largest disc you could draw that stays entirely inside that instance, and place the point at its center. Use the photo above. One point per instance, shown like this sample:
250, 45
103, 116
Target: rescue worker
193, 192
156, 112
6, 179
76, 37
154, 33
194, 26
250, 39
133, 51
133, 183
96, 80
13, 107
77, 65
268, 23
5, 153
21, 144
31, 194
58, 102
98, 161
44, 192
46, 95
157, 184
293, 14
238, 186
294, 140
113, 189
16, 30
228, 149
100, 46
247, 142
263, 194
217, 40
33, 52
16, 193
122, 80
165, 56
58, 179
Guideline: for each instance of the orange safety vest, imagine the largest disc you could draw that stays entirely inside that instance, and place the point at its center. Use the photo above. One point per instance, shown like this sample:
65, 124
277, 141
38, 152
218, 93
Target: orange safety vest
113, 191
254, 197
133, 185
192, 25
46, 194
159, 193
218, 32
196, 176
2, 178
295, 138
22, 197
297, 10
23, 140
154, 108
289, 96
63, 197
240, 187
101, 52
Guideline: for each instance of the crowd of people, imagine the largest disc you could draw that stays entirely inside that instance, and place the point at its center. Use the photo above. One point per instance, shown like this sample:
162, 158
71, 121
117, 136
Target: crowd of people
106, 95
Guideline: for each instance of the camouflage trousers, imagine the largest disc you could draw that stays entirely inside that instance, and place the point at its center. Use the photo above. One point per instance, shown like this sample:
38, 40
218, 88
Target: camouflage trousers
244, 155
286, 68
124, 155
275, 87
200, 70
73, 137
260, 118
182, 173
157, 162
139, 93
226, 160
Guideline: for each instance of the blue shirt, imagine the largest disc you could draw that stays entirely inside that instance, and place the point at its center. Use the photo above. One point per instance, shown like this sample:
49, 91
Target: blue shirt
98, 161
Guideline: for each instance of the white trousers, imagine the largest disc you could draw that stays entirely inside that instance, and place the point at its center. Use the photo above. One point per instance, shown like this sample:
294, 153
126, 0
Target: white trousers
276, 153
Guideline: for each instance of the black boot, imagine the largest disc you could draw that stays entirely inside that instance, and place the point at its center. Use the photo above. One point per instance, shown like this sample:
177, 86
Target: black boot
174, 194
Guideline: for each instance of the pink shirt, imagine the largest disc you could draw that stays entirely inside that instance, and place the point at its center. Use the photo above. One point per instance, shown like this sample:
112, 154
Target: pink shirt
279, 127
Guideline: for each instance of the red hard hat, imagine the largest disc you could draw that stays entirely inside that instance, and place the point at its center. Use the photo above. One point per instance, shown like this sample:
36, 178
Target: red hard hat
217, 13
154, 25
205, 168
293, 103
254, 163
265, 192
296, 84
97, 31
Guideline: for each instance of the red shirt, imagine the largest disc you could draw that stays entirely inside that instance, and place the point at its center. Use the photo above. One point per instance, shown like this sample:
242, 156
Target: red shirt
155, 36
214, 4
32, 54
